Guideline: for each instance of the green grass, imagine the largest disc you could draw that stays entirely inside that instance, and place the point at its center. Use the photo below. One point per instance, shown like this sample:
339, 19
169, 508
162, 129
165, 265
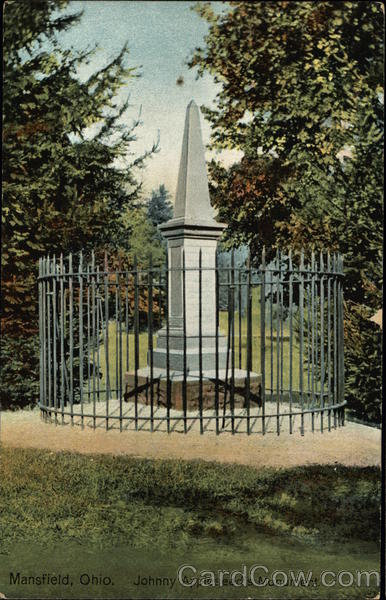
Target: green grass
46, 494
121, 516
271, 346
127, 344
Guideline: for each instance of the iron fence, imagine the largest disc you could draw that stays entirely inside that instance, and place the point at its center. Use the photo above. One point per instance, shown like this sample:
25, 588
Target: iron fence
275, 362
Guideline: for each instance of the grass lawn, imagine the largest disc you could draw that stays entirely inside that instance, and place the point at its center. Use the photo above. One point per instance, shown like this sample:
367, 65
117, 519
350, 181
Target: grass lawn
124, 517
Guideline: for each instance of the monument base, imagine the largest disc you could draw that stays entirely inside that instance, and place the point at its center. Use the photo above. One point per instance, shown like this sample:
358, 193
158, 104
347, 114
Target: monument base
193, 388
177, 340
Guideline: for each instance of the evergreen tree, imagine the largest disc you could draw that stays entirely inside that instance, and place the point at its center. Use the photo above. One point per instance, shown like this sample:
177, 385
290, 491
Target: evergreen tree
159, 208
63, 139
62, 188
143, 239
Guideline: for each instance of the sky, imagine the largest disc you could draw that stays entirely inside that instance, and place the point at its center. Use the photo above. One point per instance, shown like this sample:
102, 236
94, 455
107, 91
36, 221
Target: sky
161, 36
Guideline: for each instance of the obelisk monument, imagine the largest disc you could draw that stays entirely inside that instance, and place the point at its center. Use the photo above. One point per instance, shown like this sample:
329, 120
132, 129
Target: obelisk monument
190, 340
192, 228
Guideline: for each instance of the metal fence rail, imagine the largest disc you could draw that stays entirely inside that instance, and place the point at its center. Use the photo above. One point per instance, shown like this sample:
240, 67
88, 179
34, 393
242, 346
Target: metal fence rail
279, 324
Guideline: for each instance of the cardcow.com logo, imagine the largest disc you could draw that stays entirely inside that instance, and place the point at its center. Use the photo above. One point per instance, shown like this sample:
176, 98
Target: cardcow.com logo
260, 576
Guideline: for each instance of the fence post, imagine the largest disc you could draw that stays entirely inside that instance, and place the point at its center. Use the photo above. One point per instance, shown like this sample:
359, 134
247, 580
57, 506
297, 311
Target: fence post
150, 337
301, 338
329, 338
313, 327
41, 324
54, 347
232, 394
341, 337
277, 342
184, 398
98, 325
336, 397
107, 365
249, 343
119, 332
262, 339
322, 369
71, 327
47, 327
93, 334
136, 341
80, 271
290, 336
216, 398
200, 337
62, 365
168, 382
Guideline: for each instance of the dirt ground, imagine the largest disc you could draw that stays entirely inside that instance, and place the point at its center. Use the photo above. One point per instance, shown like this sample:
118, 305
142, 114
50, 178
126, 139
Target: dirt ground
352, 444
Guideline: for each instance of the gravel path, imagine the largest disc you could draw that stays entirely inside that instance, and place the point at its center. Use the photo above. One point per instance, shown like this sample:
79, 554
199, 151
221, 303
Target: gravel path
352, 444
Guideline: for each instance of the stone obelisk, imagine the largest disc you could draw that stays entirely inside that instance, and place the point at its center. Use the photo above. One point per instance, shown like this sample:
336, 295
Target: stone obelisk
192, 228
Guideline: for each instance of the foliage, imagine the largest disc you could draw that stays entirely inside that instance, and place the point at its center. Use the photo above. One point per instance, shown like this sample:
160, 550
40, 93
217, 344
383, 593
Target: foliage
301, 86
363, 347
63, 139
19, 384
302, 97
245, 196
171, 503
142, 237
68, 171
159, 208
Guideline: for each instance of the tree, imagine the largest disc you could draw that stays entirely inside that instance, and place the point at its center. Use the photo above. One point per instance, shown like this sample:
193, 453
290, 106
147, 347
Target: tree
63, 140
159, 208
246, 198
62, 187
302, 97
143, 238
301, 86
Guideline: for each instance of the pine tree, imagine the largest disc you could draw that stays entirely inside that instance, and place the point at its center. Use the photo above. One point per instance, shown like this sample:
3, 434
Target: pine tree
62, 188
159, 208
63, 139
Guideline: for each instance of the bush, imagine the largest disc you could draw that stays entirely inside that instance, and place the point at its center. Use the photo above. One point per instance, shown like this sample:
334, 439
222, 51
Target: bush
19, 381
363, 364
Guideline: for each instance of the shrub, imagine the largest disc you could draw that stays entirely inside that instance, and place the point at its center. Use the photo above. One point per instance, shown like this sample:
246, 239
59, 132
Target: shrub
19, 381
363, 365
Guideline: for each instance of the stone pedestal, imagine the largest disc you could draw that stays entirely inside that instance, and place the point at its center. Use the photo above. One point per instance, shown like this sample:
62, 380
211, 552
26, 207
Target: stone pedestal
193, 389
185, 243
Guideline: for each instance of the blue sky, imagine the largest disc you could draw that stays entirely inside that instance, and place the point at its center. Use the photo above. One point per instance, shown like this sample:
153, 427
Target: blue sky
161, 36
